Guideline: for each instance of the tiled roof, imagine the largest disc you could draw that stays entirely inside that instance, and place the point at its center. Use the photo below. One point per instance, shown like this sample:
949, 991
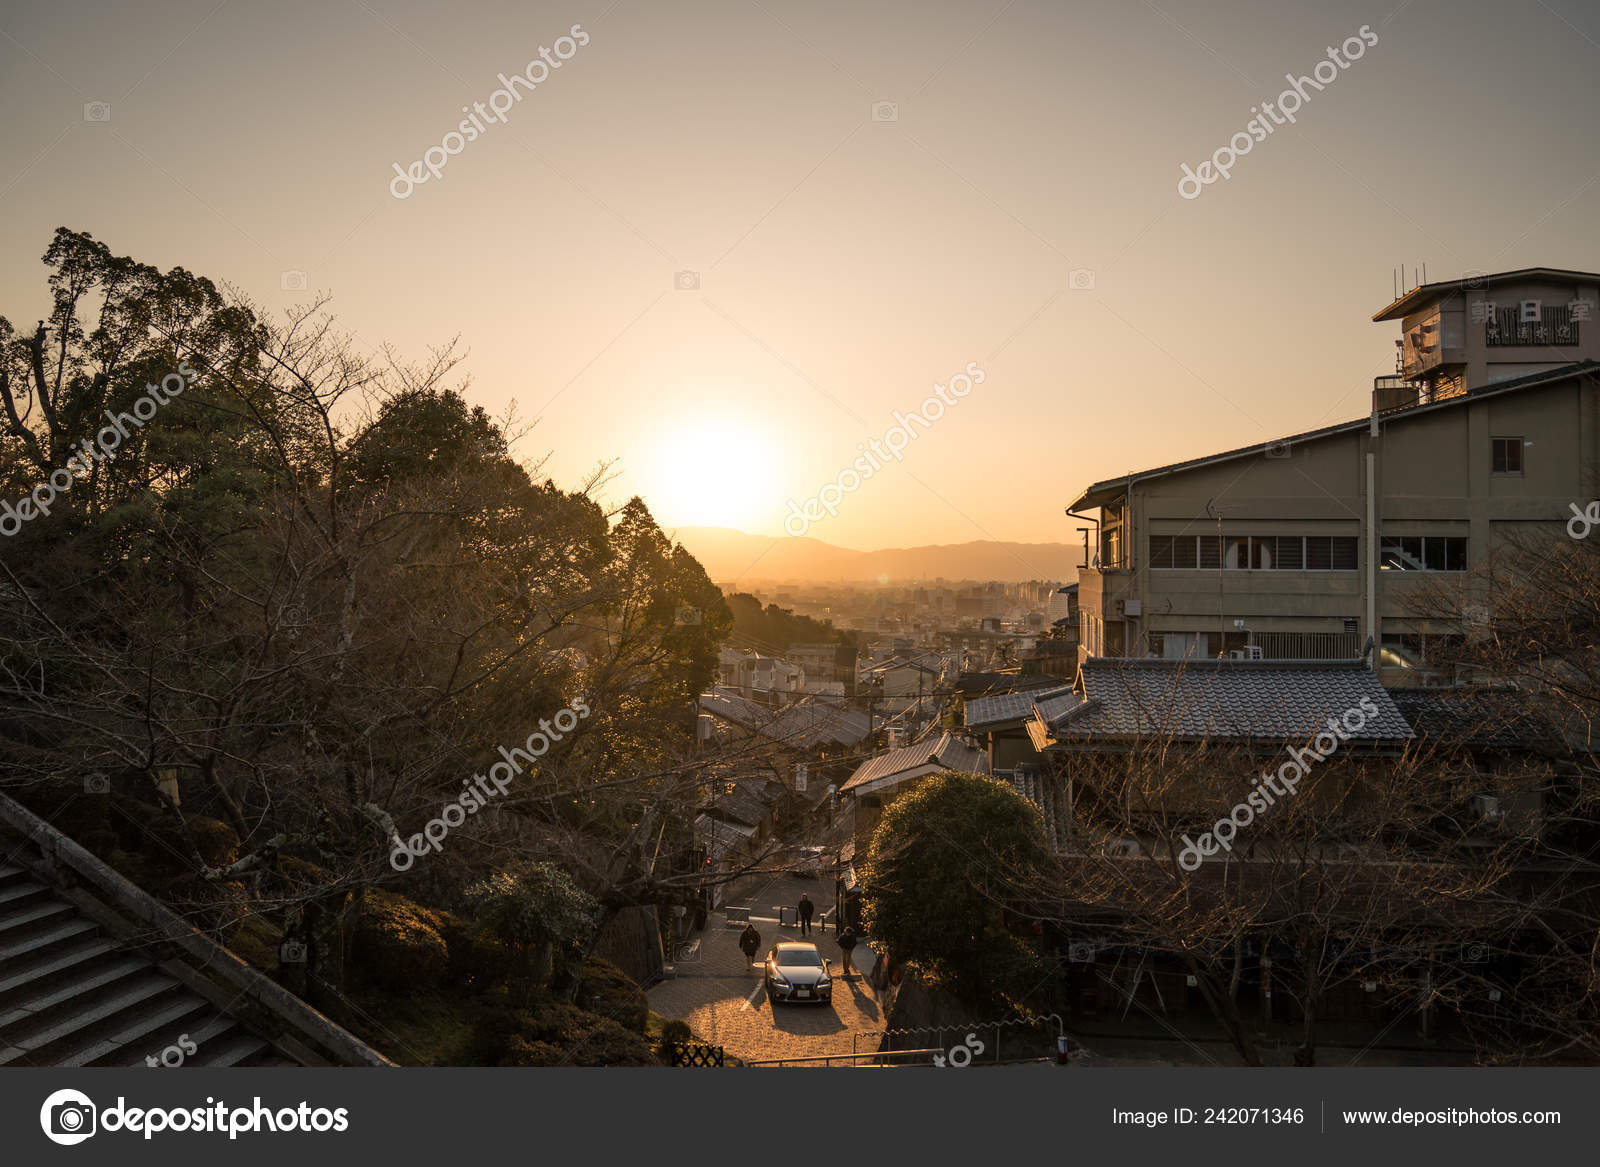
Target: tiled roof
1003, 707
1285, 701
922, 758
814, 722
730, 705
1056, 702
1493, 719
719, 838
742, 806
807, 723
988, 684
1046, 794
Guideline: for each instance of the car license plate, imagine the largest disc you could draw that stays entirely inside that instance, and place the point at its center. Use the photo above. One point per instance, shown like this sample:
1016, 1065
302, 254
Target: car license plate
802, 992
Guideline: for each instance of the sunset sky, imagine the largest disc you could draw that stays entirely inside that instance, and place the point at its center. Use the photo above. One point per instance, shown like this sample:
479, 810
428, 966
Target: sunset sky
845, 262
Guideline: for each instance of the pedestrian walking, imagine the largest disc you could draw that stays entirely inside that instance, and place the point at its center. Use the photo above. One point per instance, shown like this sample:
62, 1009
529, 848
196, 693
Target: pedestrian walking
847, 941
750, 943
804, 911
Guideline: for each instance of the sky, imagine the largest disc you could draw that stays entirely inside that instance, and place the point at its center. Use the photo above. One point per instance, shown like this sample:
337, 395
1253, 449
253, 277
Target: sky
720, 243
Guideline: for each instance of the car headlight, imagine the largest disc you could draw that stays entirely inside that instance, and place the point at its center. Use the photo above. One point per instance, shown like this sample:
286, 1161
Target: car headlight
823, 981
779, 979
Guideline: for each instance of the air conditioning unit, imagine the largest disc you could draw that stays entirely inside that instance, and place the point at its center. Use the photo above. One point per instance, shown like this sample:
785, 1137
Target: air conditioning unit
1252, 653
1129, 607
1487, 805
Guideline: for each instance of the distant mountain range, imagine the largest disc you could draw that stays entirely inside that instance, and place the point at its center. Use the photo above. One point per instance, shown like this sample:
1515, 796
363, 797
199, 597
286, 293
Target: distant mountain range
730, 555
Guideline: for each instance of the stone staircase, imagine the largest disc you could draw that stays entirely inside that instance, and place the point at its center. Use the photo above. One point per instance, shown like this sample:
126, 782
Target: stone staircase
73, 995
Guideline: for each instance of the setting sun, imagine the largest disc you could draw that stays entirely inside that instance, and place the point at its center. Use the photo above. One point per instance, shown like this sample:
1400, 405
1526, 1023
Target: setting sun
721, 472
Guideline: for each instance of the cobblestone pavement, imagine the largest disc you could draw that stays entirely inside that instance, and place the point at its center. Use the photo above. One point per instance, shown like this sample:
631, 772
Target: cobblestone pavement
720, 995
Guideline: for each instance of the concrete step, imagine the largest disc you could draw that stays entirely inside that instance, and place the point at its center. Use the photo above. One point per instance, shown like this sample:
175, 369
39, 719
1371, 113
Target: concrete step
107, 1013
11, 873
20, 891
68, 994
25, 976
142, 1031
202, 1033
64, 933
230, 1051
29, 919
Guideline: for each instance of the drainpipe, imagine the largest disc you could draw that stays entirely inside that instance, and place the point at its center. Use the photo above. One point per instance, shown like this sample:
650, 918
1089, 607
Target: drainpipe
1374, 632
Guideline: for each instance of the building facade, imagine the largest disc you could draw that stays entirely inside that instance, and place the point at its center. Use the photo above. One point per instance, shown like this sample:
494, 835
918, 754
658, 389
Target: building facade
1309, 546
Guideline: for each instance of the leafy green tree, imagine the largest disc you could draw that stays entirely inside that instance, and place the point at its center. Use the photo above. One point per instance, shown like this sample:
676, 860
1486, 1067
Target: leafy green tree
317, 589
540, 917
947, 861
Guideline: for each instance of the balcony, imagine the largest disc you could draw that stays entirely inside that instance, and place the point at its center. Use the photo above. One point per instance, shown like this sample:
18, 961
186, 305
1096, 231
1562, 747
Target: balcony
1393, 393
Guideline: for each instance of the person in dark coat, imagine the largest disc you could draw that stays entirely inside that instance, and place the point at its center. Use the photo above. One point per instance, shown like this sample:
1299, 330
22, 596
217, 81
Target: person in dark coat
847, 941
750, 942
804, 911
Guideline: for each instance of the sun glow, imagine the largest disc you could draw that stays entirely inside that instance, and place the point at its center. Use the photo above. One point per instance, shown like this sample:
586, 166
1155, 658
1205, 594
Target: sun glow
721, 472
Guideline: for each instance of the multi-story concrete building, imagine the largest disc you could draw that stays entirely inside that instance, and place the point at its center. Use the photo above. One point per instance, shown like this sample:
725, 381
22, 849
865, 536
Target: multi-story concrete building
1306, 547
1487, 328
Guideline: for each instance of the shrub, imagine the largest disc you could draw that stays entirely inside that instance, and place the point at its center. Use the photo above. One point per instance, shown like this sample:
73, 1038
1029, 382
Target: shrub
672, 1032
398, 943
607, 990
562, 1035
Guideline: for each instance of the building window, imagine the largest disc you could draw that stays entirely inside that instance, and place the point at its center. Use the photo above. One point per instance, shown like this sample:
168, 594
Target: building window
1423, 553
1507, 455
1161, 550
1254, 552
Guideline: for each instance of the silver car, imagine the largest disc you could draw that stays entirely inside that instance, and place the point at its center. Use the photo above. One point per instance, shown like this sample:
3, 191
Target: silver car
796, 971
